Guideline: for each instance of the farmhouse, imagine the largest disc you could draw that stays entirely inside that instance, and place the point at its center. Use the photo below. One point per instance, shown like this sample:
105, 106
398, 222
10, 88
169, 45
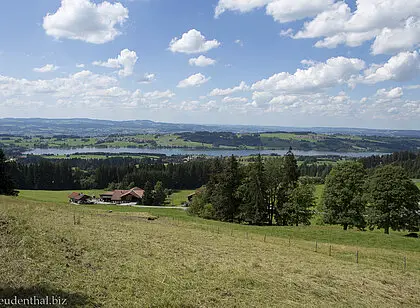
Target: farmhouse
80, 198
123, 196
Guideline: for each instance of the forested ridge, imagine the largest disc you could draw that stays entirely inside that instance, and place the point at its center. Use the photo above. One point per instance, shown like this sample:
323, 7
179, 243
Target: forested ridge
36, 172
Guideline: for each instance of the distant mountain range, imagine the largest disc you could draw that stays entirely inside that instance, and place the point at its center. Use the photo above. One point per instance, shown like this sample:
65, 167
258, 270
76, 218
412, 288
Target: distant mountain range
91, 127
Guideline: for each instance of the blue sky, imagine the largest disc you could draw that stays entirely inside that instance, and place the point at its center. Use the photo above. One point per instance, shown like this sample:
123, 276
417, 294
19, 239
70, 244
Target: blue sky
267, 62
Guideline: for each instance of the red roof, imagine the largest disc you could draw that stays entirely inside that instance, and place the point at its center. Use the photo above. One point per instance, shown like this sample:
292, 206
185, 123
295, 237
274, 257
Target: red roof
117, 195
78, 196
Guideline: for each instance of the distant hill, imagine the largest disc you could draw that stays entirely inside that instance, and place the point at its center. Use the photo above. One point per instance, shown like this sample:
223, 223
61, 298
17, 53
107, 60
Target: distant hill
90, 127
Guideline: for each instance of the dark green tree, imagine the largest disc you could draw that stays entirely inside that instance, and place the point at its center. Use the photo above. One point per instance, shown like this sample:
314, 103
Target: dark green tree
393, 200
289, 180
301, 200
148, 195
291, 170
224, 191
7, 186
159, 194
254, 207
274, 177
343, 201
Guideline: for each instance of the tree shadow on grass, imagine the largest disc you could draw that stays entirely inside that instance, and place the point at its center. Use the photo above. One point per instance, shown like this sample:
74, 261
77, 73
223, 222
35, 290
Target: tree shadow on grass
40, 293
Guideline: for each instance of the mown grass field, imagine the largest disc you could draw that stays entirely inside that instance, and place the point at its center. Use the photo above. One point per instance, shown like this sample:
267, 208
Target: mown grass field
121, 259
178, 197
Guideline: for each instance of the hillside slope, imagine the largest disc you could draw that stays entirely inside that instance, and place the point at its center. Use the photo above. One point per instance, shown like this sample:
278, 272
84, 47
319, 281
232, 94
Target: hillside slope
95, 258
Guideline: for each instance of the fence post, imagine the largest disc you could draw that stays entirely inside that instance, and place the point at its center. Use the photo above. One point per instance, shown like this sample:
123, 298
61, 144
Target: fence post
265, 237
357, 256
316, 246
329, 253
405, 263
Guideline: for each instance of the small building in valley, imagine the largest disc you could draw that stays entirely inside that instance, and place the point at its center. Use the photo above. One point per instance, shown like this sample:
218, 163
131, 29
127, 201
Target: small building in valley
79, 198
123, 196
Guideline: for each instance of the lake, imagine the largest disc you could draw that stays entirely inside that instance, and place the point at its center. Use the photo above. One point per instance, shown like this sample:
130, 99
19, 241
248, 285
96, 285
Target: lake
184, 151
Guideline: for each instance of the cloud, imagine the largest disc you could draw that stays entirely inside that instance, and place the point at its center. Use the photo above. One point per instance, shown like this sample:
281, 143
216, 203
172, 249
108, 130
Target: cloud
229, 99
84, 90
224, 92
46, 68
390, 105
316, 78
401, 67
412, 87
192, 42
126, 60
286, 32
86, 21
242, 6
289, 10
391, 41
318, 104
239, 42
159, 95
390, 94
282, 11
80, 65
193, 81
201, 61
393, 24
148, 78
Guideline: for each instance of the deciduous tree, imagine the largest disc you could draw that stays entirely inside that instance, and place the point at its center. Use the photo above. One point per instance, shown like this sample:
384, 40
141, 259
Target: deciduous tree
393, 200
343, 200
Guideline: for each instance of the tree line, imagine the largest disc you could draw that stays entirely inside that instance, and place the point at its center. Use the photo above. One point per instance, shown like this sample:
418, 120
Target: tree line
384, 197
410, 161
271, 191
48, 174
262, 192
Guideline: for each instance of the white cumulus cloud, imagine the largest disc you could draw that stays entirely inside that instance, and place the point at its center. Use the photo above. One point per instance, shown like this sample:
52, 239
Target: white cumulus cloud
193, 81
281, 10
148, 78
86, 21
201, 61
391, 41
393, 24
224, 92
317, 77
290, 10
242, 6
229, 99
192, 42
390, 94
401, 67
46, 68
126, 60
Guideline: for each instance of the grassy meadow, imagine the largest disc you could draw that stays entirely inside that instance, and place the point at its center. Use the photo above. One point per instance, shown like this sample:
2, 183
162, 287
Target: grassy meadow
177, 198
94, 258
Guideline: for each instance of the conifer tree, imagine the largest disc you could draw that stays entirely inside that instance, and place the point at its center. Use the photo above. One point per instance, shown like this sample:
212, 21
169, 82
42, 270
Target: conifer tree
7, 187
148, 195
254, 208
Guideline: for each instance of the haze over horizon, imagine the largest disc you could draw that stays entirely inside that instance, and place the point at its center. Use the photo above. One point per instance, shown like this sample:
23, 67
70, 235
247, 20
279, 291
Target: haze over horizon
312, 63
